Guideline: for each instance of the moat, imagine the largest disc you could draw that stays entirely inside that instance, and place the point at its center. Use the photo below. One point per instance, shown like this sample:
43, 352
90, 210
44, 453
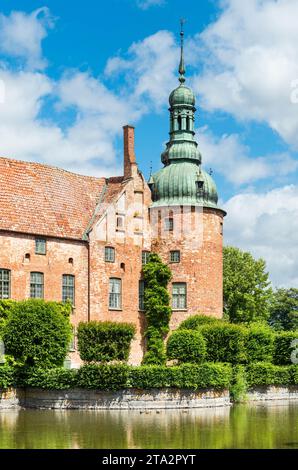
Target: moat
240, 426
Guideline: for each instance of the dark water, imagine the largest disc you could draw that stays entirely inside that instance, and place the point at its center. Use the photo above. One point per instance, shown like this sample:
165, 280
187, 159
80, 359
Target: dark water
241, 426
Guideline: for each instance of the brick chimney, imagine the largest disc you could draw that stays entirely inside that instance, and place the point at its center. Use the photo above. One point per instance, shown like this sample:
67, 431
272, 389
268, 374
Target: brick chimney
130, 165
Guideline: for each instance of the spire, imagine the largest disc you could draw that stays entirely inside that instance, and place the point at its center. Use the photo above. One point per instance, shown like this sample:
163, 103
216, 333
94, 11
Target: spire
181, 65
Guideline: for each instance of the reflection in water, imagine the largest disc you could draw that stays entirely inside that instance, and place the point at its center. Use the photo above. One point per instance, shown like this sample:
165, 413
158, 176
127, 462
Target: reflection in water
241, 426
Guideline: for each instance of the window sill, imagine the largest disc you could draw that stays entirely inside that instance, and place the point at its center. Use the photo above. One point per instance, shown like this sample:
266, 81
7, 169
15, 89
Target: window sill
115, 309
179, 309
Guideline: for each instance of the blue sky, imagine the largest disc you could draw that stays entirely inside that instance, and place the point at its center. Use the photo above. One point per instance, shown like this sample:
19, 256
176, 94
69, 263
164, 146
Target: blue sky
72, 73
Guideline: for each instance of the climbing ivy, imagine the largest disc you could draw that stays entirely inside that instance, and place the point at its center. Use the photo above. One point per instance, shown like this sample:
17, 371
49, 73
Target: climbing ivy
157, 308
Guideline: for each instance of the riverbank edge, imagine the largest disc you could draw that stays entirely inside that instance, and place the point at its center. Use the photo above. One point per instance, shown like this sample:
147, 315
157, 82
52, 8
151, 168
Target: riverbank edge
136, 399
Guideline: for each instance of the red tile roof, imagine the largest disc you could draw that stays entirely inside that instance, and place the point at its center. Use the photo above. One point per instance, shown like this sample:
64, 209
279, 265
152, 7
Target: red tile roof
44, 200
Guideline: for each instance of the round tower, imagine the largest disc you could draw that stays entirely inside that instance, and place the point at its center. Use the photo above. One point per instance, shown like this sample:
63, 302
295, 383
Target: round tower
187, 224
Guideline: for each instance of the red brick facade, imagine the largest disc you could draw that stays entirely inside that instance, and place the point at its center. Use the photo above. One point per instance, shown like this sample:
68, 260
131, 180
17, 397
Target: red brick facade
79, 216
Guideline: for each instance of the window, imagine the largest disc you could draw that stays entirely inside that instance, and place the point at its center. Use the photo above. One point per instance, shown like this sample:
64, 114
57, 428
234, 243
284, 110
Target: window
4, 284
175, 256
36, 285
120, 222
68, 288
145, 257
179, 295
141, 295
179, 123
40, 246
115, 294
169, 224
109, 254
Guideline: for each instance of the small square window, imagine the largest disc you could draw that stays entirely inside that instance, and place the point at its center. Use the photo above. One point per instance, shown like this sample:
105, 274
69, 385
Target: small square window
169, 224
109, 254
40, 246
175, 256
145, 257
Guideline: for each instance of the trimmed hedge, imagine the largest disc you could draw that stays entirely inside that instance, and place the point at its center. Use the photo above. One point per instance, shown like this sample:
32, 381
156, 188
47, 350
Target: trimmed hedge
225, 342
194, 322
259, 343
37, 333
186, 346
7, 376
283, 350
104, 341
192, 376
57, 378
103, 376
262, 373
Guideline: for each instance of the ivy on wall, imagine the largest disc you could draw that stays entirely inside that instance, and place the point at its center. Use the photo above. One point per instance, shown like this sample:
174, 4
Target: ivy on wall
157, 308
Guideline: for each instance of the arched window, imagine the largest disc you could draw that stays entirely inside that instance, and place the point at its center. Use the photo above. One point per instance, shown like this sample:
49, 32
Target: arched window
179, 123
188, 123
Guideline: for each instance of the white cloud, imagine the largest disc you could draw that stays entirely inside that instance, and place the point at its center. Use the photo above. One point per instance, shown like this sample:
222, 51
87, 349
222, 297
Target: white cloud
250, 60
21, 35
230, 157
267, 225
150, 68
145, 4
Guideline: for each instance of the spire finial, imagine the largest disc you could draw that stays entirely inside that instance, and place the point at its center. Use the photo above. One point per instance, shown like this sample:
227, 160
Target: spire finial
181, 65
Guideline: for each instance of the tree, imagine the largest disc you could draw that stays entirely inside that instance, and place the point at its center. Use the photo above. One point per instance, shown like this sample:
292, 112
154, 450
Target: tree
37, 333
284, 309
247, 290
157, 309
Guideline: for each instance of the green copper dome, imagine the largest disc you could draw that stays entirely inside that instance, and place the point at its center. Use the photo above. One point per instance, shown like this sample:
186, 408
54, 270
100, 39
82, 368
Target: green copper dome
182, 95
182, 181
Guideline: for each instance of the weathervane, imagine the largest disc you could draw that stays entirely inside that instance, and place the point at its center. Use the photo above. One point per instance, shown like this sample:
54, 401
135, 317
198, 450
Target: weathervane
181, 65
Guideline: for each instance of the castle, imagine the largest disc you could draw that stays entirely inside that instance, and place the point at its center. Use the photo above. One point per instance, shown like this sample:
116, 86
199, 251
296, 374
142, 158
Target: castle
65, 236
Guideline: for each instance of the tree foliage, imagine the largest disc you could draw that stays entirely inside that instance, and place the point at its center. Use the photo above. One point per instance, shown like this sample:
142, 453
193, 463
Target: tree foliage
284, 309
247, 290
37, 333
157, 309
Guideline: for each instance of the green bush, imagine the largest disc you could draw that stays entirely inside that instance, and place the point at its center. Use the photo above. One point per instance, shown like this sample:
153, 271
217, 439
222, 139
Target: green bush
262, 373
104, 341
37, 333
7, 376
283, 351
294, 374
186, 346
103, 376
191, 376
194, 322
238, 387
6, 307
259, 343
56, 378
225, 342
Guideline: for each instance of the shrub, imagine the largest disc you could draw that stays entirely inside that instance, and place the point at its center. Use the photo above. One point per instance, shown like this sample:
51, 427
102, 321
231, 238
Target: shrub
7, 376
284, 349
259, 343
262, 373
157, 309
238, 387
194, 322
294, 374
57, 378
225, 342
104, 341
37, 333
185, 376
103, 376
6, 307
186, 346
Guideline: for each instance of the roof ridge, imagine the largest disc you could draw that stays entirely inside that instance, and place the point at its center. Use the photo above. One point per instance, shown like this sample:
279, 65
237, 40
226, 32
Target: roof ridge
45, 165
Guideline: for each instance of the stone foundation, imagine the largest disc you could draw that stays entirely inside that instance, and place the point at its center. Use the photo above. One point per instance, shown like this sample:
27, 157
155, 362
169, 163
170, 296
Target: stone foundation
135, 399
